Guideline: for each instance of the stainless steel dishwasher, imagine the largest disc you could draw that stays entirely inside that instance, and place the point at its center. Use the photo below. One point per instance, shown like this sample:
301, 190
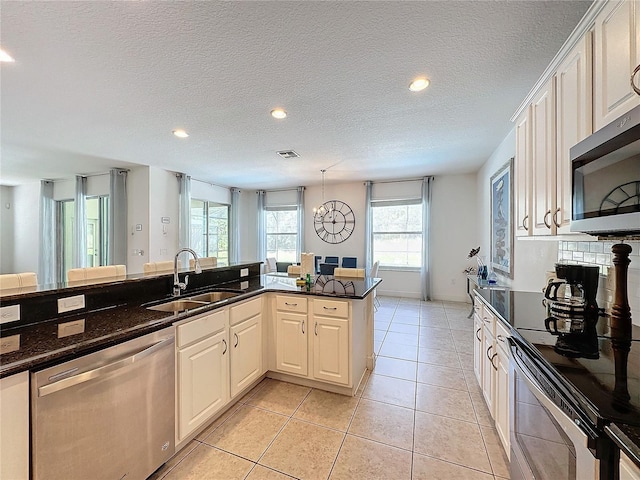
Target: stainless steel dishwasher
108, 415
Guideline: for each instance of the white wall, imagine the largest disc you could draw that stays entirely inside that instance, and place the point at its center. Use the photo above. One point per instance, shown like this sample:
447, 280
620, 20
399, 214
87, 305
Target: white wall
26, 215
164, 194
532, 258
454, 231
6, 229
137, 214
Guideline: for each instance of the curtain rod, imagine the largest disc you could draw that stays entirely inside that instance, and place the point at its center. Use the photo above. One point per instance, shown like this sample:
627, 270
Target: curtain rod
419, 179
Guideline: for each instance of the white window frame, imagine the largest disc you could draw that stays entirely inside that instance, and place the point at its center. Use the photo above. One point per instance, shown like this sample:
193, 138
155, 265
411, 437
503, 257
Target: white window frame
388, 203
289, 208
205, 234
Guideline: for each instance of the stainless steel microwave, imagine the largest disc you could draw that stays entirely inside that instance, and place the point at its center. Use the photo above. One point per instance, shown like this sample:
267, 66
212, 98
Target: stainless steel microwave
606, 179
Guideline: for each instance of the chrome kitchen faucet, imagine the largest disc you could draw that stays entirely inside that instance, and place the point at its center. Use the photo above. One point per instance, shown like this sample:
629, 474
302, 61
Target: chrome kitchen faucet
178, 286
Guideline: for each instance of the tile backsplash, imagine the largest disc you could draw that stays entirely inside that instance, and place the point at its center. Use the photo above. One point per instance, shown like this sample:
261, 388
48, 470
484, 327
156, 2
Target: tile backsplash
599, 253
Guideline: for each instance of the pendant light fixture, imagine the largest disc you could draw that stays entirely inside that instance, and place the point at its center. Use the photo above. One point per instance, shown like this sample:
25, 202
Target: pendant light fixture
322, 210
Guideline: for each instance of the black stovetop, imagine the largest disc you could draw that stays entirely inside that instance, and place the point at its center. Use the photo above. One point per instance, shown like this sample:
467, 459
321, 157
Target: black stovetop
605, 395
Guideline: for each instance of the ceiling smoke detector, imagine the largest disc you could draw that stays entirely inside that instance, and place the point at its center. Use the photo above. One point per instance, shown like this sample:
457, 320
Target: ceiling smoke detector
288, 154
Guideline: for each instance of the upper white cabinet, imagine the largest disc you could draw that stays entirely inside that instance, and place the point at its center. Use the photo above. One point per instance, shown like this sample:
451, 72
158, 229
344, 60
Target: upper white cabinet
616, 55
522, 172
573, 123
543, 158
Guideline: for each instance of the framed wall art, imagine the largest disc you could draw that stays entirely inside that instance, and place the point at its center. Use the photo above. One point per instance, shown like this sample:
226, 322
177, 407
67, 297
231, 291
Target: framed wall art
501, 220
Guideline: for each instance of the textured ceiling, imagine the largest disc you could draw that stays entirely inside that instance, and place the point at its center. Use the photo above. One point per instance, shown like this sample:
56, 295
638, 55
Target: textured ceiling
98, 84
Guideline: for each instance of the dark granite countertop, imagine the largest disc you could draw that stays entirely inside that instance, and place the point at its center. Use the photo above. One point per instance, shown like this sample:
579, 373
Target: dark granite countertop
40, 346
627, 437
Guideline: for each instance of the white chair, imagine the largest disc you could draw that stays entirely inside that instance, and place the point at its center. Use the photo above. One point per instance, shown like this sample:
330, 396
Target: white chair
349, 272
374, 274
205, 262
271, 266
157, 268
10, 281
96, 274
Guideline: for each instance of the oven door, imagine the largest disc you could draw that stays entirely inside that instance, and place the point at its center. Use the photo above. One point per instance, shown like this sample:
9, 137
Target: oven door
546, 444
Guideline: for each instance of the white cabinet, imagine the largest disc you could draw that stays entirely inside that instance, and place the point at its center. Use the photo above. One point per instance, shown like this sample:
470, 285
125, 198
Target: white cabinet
573, 124
203, 370
331, 348
488, 367
245, 336
477, 340
14, 430
502, 394
522, 175
616, 55
291, 335
628, 469
543, 158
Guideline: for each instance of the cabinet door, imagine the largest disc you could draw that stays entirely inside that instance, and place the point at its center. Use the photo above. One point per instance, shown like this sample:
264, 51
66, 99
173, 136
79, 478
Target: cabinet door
501, 400
543, 159
246, 353
488, 370
477, 347
203, 382
291, 343
522, 174
617, 53
628, 470
573, 123
14, 433
331, 349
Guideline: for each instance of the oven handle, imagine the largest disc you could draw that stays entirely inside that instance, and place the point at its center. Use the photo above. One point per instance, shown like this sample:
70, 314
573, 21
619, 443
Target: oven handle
577, 431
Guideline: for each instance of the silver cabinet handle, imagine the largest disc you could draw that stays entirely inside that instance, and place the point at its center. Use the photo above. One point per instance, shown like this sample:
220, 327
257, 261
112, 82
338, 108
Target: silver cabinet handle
500, 338
486, 320
330, 308
225, 346
315, 329
303, 327
97, 372
555, 217
478, 334
524, 222
237, 340
545, 219
291, 304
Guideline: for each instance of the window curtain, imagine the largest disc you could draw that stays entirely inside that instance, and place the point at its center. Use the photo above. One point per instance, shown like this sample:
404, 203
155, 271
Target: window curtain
234, 227
80, 234
368, 227
300, 239
262, 228
425, 271
47, 259
117, 246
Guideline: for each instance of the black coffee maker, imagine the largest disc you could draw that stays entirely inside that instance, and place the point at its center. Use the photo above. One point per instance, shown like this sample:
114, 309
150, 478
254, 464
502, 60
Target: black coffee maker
573, 310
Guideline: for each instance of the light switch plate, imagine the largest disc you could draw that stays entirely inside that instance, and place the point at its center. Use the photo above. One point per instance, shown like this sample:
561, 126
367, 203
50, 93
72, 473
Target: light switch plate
70, 328
9, 344
69, 304
10, 313
244, 272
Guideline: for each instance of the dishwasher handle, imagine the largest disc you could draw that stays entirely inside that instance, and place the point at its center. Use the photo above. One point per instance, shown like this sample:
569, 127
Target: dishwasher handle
97, 372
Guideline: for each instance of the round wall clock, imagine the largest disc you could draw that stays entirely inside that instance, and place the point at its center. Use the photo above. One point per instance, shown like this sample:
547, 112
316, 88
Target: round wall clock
334, 221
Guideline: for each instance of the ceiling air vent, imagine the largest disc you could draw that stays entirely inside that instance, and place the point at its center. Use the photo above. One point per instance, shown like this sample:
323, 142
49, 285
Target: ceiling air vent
288, 154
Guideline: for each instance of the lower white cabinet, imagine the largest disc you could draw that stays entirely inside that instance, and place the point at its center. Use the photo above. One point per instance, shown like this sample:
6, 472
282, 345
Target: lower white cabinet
291, 343
477, 341
628, 469
203, 370
488, 369
14, 430
246, 353
331, 349
501, 398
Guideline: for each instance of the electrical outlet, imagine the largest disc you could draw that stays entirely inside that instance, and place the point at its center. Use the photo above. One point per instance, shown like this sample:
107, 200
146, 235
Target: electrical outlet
244, 272
10, 313
9, 344
244, 285
69, 304
70, 328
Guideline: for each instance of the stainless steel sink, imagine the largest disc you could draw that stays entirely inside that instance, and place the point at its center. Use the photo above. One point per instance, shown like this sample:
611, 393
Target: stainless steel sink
179, 305
212, 297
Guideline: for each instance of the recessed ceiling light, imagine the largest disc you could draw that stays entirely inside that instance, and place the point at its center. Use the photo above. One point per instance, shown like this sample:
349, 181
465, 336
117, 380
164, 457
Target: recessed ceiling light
5, 57
419, 84
278, 113
180, 133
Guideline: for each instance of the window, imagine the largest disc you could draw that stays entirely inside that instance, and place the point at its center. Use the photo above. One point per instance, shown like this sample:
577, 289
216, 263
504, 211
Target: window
97, 209
282, 233
210, 230
397, 233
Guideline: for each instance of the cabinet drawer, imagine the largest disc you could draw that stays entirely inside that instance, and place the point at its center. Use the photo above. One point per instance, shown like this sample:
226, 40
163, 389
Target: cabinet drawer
291, 304
502, 333
331, 308
245, 310
201, 327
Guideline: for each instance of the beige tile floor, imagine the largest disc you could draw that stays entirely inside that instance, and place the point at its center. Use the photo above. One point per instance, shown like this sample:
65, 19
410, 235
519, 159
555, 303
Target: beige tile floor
419, 415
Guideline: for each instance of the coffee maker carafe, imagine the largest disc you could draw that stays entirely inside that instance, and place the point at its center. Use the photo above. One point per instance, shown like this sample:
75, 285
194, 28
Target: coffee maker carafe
574, 295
